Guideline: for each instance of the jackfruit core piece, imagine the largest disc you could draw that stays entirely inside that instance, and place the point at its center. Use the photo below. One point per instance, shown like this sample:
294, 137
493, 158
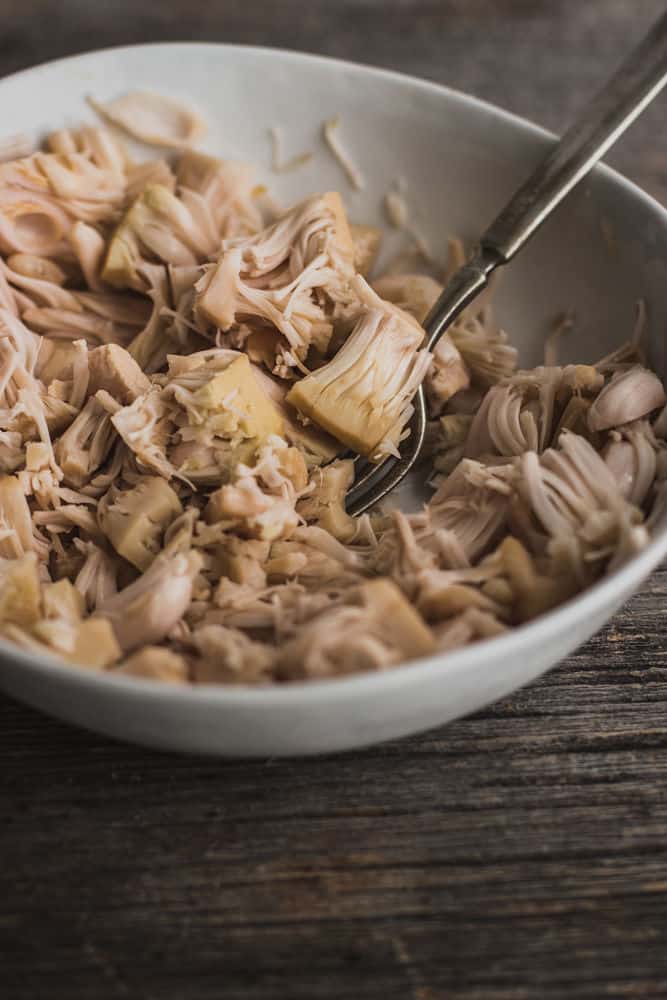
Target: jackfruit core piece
237, 404
134, 520
153, 226
20, 592
395, 619
362, 396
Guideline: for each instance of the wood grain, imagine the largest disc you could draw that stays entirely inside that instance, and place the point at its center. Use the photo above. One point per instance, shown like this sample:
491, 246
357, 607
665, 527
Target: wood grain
517, 854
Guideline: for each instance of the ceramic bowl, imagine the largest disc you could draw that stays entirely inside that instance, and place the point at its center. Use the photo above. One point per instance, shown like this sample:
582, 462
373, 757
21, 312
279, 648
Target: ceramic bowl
460, 160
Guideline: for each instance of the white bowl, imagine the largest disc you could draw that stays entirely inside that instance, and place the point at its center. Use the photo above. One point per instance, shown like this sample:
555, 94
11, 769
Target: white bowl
461, 158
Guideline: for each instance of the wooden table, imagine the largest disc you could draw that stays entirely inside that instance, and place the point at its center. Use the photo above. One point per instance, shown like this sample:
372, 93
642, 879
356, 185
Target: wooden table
518, 854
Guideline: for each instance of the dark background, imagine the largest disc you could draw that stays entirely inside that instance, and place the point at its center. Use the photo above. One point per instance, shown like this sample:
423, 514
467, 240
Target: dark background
517, 854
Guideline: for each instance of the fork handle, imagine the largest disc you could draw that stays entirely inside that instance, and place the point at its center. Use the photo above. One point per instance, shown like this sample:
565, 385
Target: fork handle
607, 116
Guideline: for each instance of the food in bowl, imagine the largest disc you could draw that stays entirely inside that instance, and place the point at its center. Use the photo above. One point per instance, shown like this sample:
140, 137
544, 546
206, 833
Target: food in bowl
185, 372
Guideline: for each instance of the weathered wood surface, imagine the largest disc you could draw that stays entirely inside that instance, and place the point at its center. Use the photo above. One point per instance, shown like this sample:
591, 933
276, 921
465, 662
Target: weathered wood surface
518, 854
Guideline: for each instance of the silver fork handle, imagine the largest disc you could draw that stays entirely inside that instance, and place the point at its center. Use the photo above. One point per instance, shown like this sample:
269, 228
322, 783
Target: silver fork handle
606, 117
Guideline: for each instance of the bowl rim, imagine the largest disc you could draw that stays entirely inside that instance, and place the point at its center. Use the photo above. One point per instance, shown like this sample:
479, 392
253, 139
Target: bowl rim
304, 693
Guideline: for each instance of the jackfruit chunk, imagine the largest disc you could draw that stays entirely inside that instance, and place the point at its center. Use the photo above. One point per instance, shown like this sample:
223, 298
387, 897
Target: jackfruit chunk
156, 664
396, 621
362, 396
15, 521
325, 505
20, 596
534, 592
89, 643
259, 502
366, 241
134, 520
145, 426
226, 190
63, 601
95, 645
113, 369
290, 276
243, 560
84, 446
223, 418
157, 225
378, 629
240, 405
55, 359
292, 466
144, 612
317, 446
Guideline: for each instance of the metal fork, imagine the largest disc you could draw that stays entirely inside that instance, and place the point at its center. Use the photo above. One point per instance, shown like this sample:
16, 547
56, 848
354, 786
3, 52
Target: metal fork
630, 90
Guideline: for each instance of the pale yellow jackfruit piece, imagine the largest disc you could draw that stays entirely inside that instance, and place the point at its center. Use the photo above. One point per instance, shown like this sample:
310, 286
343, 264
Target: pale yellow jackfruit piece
251, 512
89, 643
229, 656
292, 465
41, 196
20, 594
145, 427
95, 645
237, 392
55, 360
196, 170
436, 602
324, 505
317, 446
97, 145
84, 446
155, 663
397, 621
16, 536
62, 600
145, 611
377, 630
534, 593
37, 455
113, 369
134, 520
259, 501
223, 415
362, 396
124, 253
485, 349
243, 560
157, 225
366, 241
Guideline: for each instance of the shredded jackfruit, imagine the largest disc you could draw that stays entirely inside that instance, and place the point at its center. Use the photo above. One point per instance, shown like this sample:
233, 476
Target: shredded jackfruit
183, 374
154, 119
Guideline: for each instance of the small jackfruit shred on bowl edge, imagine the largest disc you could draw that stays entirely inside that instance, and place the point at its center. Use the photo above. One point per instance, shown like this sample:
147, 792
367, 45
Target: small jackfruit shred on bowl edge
184, 372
